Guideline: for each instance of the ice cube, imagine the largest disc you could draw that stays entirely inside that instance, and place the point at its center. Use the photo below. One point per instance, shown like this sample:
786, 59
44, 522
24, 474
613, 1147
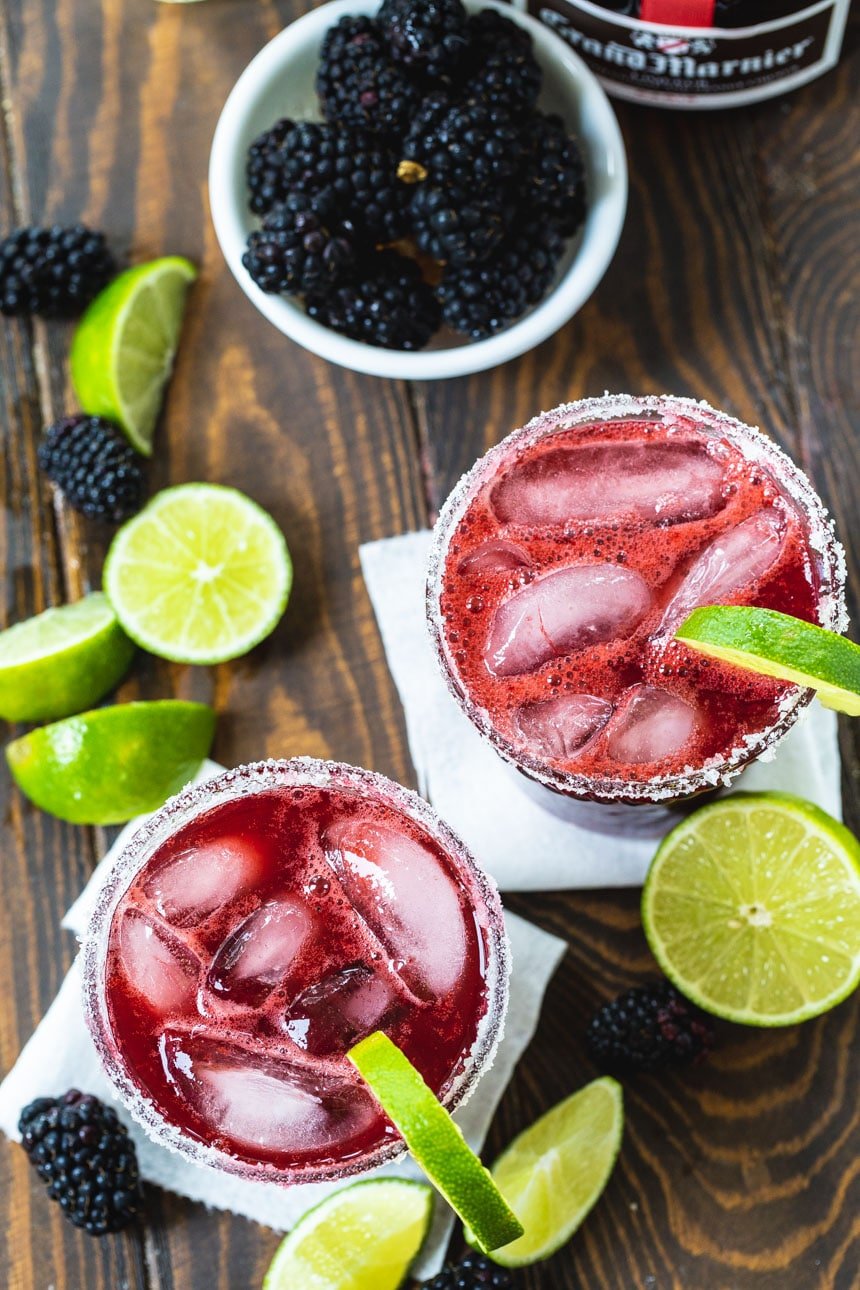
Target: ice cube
565, 610
651, 724
494, 556
401, 892
611, 481
157, 963
193, 884
562, 726
732, 561
333, 1014
257, 954
259, 1099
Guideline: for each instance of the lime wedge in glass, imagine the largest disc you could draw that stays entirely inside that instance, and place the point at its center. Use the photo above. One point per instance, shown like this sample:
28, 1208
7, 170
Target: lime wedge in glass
106, 766
752, 909
201, 575
364, 1237
775, 644
124, 346
555, 1171
62, 661
435, 1141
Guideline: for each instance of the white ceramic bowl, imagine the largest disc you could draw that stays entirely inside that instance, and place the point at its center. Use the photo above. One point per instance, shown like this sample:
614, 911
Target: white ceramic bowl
280, 82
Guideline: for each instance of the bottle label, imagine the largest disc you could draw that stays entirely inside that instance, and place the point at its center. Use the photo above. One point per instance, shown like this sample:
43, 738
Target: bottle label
693, 66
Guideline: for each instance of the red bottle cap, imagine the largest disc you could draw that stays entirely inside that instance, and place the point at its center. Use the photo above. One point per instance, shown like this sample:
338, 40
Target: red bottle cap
679, 13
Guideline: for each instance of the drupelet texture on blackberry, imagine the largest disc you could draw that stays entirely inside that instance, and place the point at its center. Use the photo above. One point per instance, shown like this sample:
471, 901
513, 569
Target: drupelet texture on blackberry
648, 1028
479, 300
390, 305
84, 1154
94, 466
264, 167
471, 144
453, 224
358, 84
475, 1272
509, 79
54, 272
425, 36
299, 248
554, 176
490, 32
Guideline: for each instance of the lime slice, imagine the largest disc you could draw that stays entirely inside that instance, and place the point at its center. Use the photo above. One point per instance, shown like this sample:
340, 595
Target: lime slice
62, 661
201, 575
435, 1141
752, 909
364, 1237
764, 640
106, 766
124, 346
556, 1170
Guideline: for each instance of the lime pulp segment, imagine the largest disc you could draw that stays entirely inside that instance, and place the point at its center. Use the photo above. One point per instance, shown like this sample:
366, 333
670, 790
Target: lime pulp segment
435, 1141
752, 909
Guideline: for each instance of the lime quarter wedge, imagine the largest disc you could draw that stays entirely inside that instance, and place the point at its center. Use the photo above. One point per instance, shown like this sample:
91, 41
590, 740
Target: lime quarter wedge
62, 661
201, 575
775, 644
106, 766
364, 1237
555, 1171
752, 909
124, 346
435, 1141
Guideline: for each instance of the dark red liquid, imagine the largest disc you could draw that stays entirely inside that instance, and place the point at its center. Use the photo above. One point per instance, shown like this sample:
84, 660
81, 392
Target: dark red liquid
265, 938
580, 672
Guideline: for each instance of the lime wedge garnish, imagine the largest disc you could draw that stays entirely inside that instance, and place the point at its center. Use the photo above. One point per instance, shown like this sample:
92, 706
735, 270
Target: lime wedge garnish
752, 909
201, 575
124, 346
364, 1237
435, 1141
554, 1172
775, 644
62, 661
106, 766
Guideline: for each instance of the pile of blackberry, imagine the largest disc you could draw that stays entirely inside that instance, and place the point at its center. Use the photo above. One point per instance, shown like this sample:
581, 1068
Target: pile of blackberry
433, 193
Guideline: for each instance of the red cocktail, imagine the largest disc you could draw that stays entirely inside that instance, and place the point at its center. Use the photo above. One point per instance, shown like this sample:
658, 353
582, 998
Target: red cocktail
565, 561
260, 925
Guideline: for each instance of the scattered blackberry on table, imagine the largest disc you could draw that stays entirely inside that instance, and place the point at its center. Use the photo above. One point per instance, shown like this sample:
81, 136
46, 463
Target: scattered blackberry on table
357, 83
264, 168
95, 468
54, 272
470, 144
84, 1154
554, 179
480, 299
425, 36
648, 1028
299, 248
475, 1272
453, 224
390, 305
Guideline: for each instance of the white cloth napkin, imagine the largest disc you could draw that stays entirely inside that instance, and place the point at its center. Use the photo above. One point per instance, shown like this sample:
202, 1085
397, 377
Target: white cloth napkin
522, 846
61, 1055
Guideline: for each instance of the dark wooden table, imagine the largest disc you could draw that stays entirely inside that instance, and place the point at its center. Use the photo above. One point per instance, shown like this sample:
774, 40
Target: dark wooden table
737, 281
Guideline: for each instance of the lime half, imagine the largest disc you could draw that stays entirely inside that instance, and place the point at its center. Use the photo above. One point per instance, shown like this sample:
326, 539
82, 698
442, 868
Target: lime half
124, 346
62, 661
554, 1172
435, 1141
364, 1237
201, 575
752, 909
106, 766
775, 644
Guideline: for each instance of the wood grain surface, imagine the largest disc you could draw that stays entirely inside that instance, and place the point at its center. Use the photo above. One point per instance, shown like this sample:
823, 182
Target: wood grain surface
737, 281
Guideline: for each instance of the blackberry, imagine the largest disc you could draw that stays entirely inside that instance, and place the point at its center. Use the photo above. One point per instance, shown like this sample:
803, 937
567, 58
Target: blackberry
475, 1272
426, 36
264, 168
479, 300
647, 1028
390, 305
299, 248
554, 176
472, 144
453, 224
357, 83
94, 467
83, 1153
490, 32
54, 272
510, 79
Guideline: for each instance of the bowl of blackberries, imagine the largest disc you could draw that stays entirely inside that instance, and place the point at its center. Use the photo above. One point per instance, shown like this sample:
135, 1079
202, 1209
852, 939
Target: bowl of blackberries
418, 188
